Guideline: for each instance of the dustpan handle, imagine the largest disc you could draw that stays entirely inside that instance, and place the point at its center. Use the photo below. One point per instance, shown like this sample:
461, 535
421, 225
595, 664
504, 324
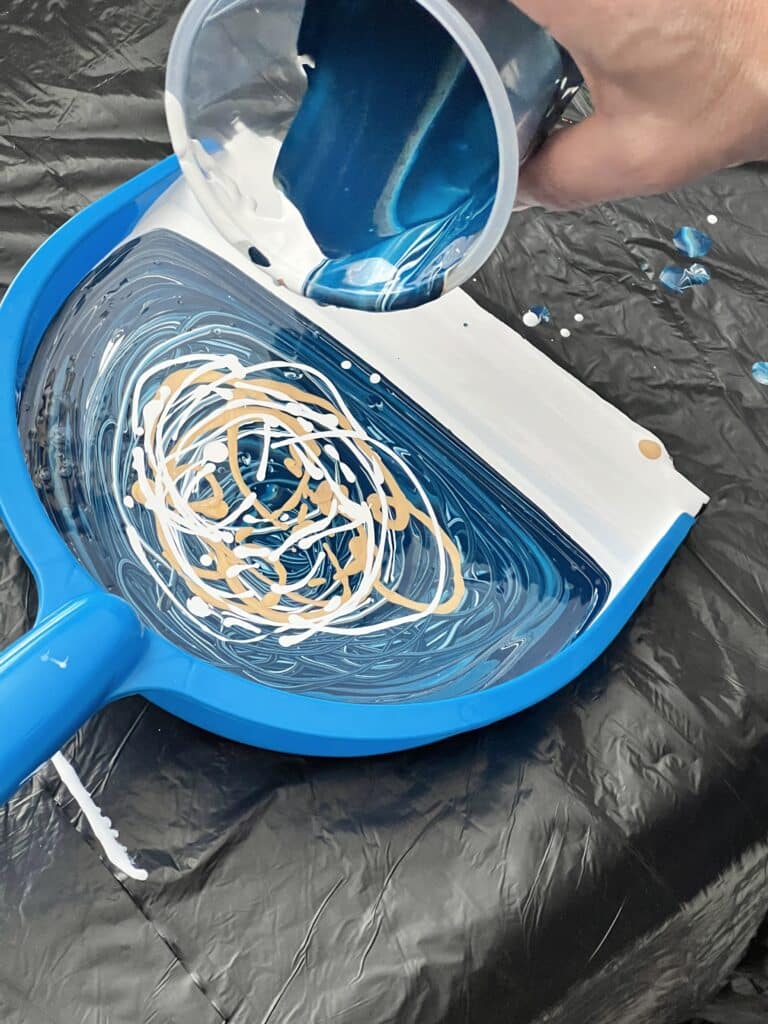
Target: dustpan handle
54, 678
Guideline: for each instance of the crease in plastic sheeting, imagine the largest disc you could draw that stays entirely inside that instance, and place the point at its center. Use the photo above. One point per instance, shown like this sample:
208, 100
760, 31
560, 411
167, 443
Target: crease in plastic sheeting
300, 956
690, 938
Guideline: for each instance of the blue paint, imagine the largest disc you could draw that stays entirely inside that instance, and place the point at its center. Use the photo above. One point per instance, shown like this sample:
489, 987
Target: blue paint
392, 158
544, 313
201, 693
693, 243
529, 589
680, 279
760, 373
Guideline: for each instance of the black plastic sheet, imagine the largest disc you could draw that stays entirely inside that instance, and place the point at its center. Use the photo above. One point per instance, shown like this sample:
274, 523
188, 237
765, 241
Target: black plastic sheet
601, 858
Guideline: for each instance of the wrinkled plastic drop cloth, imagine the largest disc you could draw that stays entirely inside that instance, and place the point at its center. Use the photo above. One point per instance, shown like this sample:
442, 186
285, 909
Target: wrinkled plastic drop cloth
602, 858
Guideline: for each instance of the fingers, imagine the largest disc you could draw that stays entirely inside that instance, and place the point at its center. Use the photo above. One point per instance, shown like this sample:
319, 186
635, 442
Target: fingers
602, 159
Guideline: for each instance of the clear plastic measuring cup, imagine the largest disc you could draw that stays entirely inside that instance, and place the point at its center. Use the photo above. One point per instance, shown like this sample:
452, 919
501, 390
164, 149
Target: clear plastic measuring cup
364, 152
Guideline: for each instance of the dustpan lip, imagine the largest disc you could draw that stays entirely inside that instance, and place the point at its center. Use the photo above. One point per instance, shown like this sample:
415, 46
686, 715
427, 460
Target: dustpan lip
183, 684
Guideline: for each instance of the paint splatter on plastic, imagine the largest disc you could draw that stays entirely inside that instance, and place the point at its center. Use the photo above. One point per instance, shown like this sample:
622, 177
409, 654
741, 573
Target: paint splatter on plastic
680, 279
693, 243
760, 373
537, 315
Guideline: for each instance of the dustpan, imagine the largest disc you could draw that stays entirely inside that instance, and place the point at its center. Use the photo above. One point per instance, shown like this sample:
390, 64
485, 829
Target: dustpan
477, 526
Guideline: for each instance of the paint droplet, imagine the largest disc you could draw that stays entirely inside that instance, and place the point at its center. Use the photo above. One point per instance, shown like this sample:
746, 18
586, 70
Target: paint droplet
258, 257
347, 364
196, 606
206, 560
579, 318
128, 501
760, 373
565, 333
375, 378
537, 315
679, 280
651, 450
692, 242
216, 452
712, 219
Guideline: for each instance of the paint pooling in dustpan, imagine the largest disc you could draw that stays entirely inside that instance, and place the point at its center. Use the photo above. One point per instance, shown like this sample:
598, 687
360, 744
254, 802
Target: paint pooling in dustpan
533, 429
269, 504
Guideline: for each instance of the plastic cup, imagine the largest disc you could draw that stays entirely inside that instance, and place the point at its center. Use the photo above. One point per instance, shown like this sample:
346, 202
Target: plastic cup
366, 153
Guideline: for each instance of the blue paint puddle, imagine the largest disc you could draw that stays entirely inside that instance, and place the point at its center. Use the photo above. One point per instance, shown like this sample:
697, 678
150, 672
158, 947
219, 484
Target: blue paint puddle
680, 279
693, 243
392, 93
320, 446
760, 373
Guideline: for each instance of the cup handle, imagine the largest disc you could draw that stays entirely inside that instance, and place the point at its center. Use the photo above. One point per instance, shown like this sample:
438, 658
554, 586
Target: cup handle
59, 674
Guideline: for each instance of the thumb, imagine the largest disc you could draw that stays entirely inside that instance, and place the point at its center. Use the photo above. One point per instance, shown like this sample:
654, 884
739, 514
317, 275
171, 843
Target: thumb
601, 158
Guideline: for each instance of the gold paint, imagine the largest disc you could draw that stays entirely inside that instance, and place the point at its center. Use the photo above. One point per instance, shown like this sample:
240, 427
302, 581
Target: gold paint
651, 450
304, 500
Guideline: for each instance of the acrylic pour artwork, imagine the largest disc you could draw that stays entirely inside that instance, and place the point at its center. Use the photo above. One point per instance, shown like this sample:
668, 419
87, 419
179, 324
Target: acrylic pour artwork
267, 502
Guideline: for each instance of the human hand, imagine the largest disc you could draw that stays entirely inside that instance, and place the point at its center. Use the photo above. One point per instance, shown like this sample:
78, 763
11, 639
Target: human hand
680, 90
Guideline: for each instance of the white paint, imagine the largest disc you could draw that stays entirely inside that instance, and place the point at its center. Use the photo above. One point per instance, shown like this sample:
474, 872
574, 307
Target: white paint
196, 606
579, 318
568, 450
62, 663
346, 364
206, 561
375, 378
565, 333
251, 211
129, 502
712, 219
216, 452
531, 319
371, 271
109, 349
101, 826
175, 435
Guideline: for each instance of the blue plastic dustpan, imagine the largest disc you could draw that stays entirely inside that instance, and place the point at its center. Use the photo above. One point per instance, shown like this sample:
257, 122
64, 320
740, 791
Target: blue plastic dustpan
90, 647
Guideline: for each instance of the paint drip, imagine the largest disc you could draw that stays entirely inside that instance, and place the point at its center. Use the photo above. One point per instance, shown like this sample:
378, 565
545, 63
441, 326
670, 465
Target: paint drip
537, 315
693, 243
101, 826
680, 279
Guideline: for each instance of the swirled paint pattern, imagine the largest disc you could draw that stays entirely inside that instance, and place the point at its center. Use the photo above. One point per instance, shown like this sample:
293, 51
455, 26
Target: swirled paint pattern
268, 503
274, 506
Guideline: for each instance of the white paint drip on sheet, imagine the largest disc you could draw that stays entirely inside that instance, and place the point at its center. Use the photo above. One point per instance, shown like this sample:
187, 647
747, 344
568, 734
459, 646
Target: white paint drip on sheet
101, 826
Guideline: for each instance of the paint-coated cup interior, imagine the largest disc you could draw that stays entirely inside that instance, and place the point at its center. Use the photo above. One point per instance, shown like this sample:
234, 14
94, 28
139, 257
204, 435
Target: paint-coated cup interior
364, 153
